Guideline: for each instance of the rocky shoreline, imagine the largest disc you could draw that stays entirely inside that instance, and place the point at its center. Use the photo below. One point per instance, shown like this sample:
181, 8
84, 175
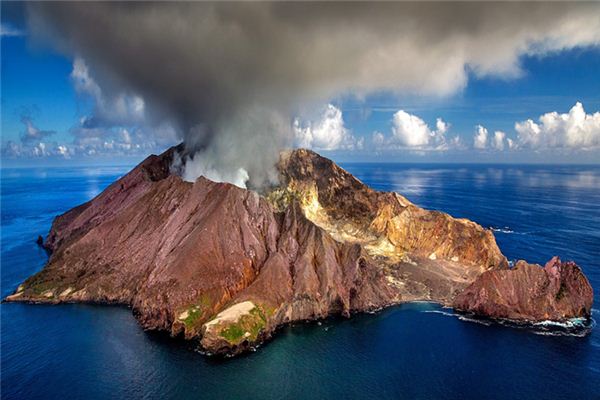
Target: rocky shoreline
227, 266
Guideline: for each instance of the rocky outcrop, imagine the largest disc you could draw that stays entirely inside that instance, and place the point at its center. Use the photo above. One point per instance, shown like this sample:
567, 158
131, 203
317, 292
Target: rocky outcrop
225, 265
528, 292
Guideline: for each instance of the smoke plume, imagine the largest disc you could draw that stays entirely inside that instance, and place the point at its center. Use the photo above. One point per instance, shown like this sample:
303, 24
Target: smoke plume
230, 77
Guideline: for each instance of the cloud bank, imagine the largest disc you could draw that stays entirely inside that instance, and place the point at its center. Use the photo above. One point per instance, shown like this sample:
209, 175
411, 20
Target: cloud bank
89, 139
229, 77
575, 130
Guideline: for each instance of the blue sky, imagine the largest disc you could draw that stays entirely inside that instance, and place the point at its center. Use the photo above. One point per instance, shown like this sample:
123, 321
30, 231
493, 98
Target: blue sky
36, 81
38, 88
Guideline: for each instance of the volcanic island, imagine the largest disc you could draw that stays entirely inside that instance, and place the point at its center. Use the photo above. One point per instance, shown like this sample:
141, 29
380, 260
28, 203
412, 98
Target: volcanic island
227, 266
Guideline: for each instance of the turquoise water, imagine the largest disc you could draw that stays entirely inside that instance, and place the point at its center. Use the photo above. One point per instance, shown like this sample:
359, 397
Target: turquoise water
417, 351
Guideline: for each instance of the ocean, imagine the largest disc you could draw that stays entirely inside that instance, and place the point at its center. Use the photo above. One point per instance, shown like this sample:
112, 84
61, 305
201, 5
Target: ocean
413, 351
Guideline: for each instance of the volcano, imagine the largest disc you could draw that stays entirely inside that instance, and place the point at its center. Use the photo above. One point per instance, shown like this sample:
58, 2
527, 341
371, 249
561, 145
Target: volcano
227, 266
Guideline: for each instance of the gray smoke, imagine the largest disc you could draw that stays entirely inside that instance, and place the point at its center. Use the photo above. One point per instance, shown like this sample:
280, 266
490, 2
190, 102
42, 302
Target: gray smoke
230, 76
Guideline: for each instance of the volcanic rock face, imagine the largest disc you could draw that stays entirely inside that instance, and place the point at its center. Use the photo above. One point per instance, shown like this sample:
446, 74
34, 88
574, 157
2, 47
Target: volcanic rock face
226, 265
529, 292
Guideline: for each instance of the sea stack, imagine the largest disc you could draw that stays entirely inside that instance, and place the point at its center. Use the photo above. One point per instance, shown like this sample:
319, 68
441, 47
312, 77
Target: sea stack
226, 266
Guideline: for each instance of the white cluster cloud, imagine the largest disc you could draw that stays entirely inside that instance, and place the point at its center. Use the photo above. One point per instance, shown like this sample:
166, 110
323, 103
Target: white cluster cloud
379, 139
87, 142
328, 133
481, 137
483, 141
498, 140
12, 149
108, 147
33, 141
411, 132
575, 129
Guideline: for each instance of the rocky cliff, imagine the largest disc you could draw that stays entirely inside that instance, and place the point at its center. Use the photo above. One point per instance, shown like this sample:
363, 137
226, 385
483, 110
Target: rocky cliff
225, 265
528, 292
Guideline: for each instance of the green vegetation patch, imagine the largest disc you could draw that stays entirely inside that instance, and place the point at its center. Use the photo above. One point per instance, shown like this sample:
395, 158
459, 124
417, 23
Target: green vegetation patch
247, 327
196, 313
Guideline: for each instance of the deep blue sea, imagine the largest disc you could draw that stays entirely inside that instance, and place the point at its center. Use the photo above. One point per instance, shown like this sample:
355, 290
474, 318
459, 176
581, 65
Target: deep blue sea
417, 351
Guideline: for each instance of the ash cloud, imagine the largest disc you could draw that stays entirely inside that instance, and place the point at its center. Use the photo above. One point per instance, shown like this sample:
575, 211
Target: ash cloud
230, 77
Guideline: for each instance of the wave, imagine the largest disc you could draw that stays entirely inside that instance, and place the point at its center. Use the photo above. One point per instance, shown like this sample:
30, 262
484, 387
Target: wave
577, 327
572, 323
475, 320
560, 333
446, 313
506, 229
461, 317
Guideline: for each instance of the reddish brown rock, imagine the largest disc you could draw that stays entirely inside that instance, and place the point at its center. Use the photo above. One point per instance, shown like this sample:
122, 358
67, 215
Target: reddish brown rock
227, 266
528, 292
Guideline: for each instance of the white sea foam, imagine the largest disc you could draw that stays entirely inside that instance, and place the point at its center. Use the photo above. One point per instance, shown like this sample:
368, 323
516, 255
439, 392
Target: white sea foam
460, 317
571, 323
581, 333
578, 327
449, 314
506, 229
475, 320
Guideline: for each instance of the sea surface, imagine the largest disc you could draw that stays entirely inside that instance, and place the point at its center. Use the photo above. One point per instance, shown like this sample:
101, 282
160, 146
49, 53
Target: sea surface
416, 351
